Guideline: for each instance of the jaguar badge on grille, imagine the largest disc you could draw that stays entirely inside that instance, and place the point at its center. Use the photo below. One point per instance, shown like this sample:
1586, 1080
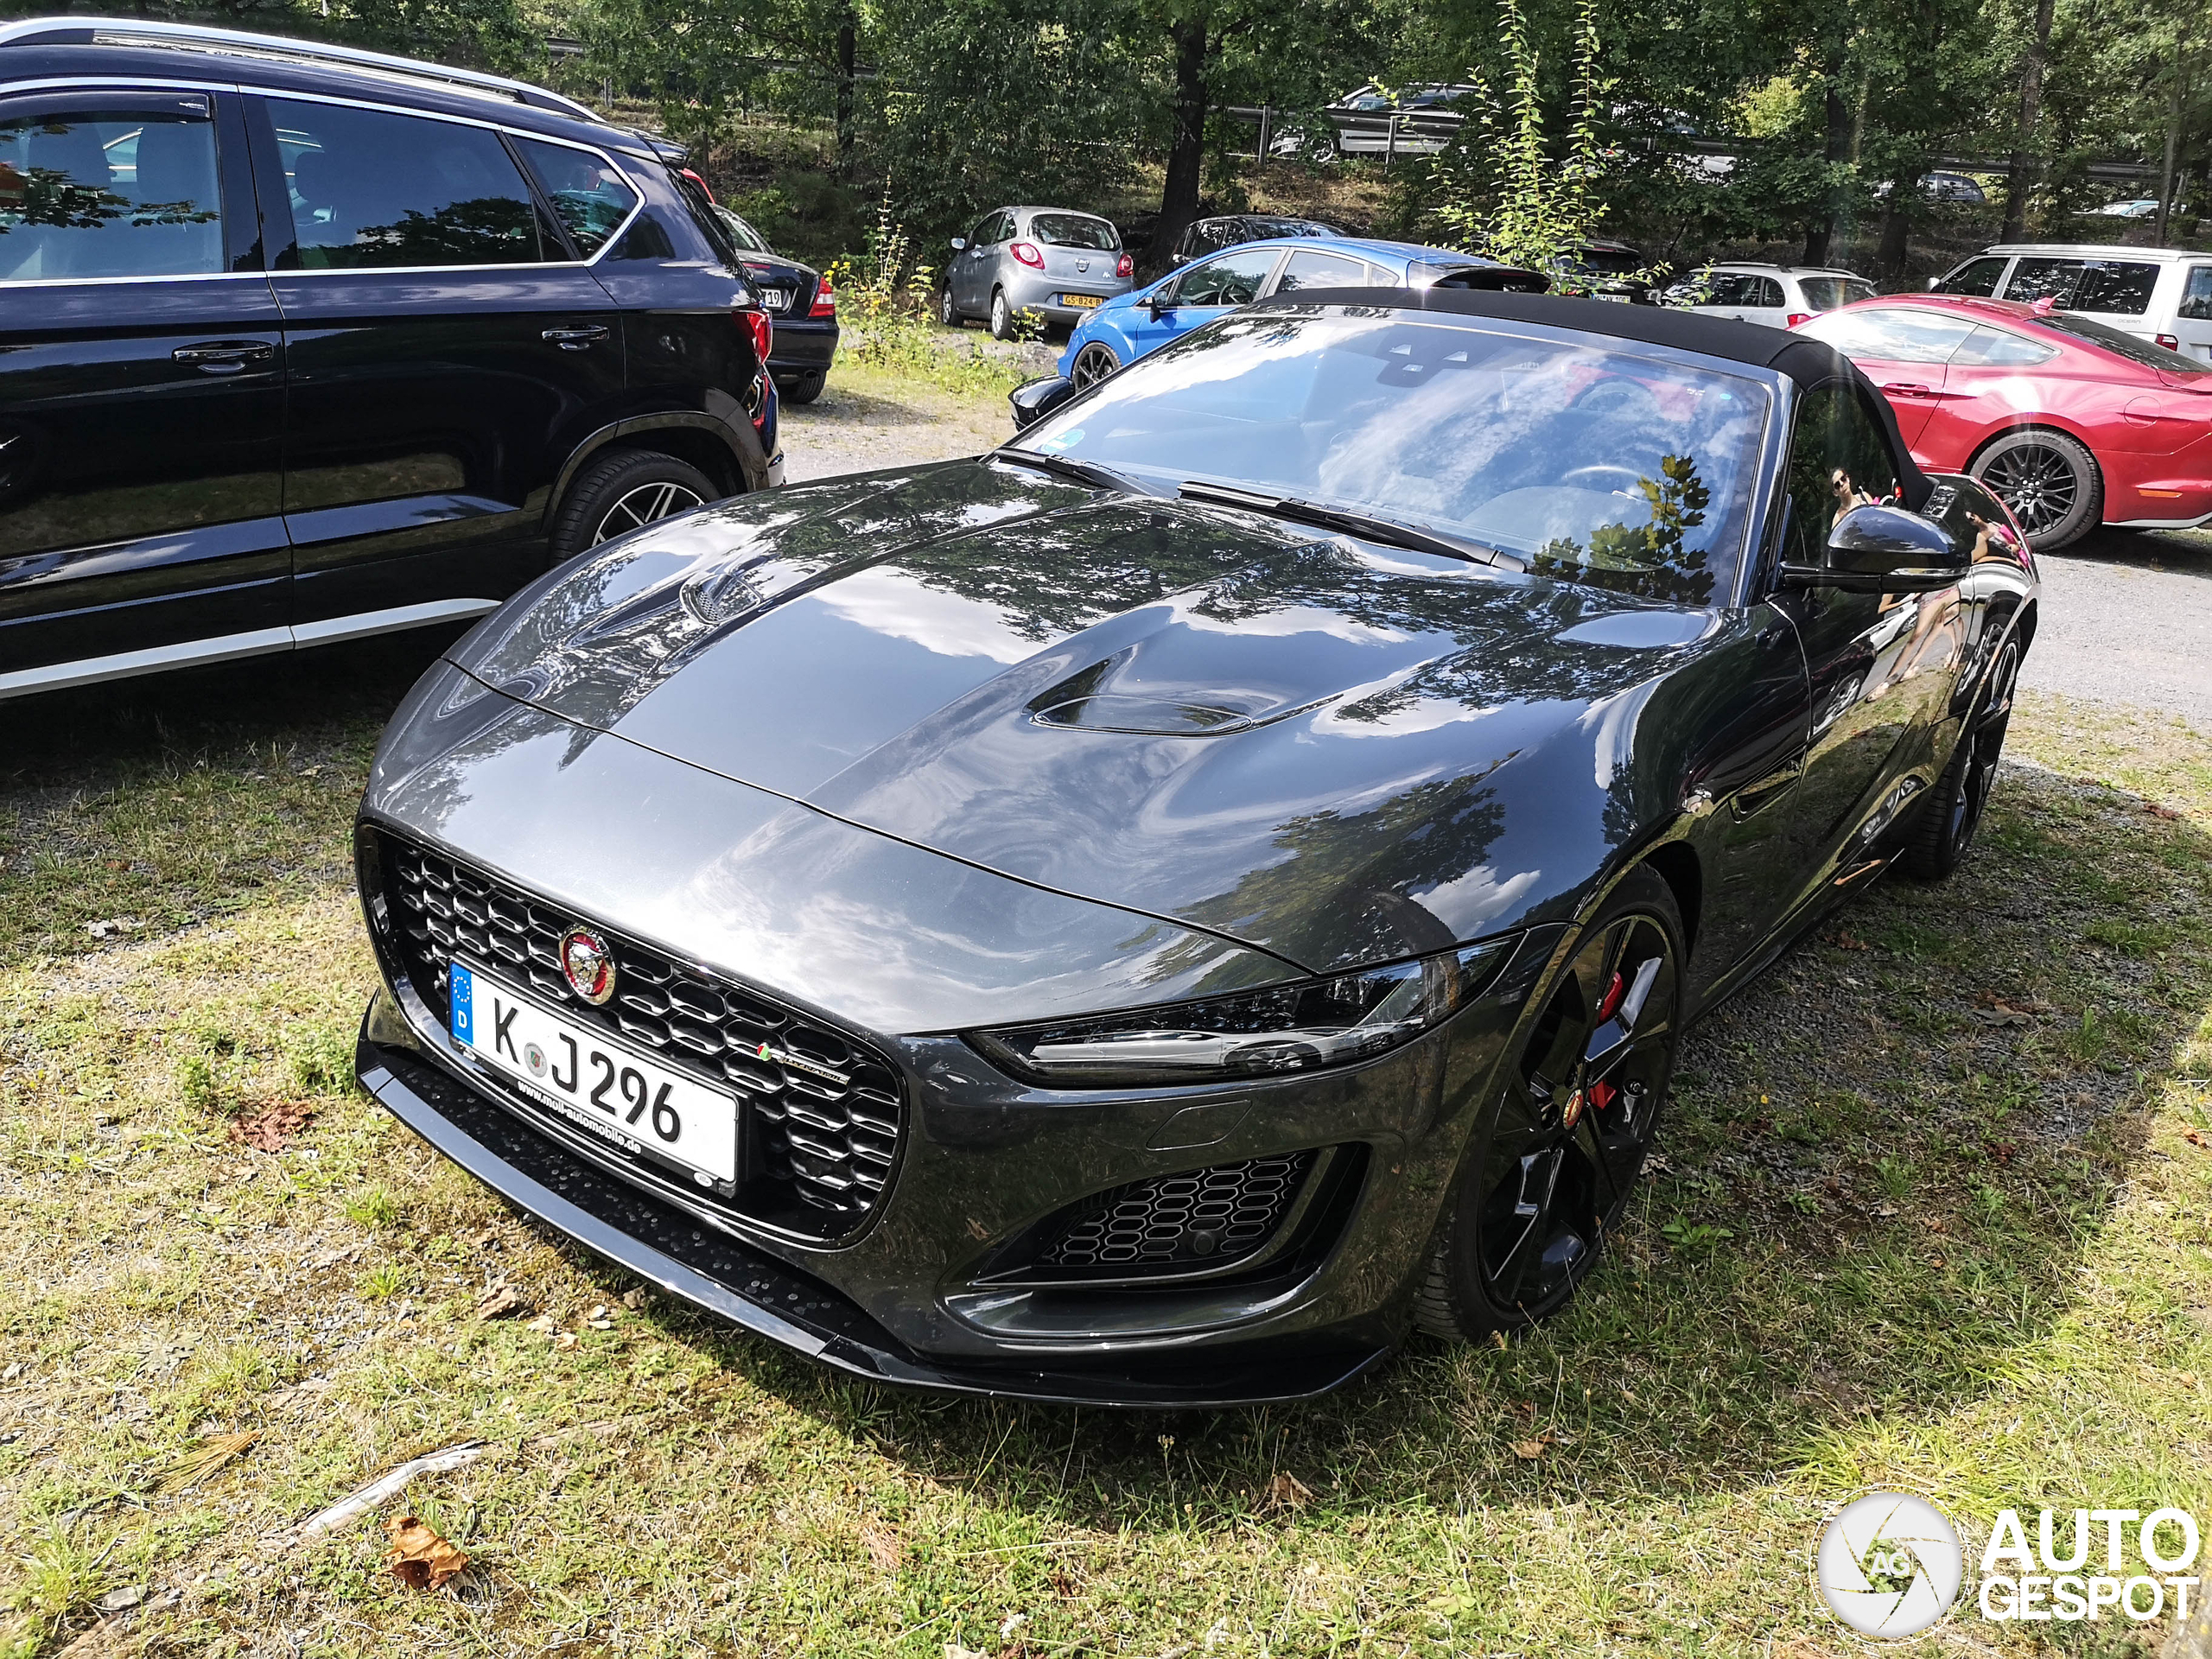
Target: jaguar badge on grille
588, 964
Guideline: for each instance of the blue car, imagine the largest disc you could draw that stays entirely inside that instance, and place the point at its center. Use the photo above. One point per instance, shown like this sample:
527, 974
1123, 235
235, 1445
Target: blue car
1126, 327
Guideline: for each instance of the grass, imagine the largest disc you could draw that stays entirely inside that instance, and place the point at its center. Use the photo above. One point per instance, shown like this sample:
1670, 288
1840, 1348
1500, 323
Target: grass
1893, 1242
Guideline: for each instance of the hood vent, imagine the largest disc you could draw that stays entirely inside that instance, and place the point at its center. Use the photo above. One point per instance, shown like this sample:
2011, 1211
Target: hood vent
1107, 697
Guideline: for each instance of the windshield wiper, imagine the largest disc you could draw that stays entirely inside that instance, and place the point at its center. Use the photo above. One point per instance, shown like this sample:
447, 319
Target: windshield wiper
1417, 537
1080, 472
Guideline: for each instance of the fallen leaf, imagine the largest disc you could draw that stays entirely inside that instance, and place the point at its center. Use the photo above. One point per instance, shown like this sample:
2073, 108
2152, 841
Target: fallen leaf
1934, 1261
1529, 1450
1064, 1585
15, 1370
418, 1557
502, 1302
1936, 1224
2158, 812
564, 1339
1844, 941
204, 1460
119, 863
2196, 1138
1284, 1491
954, 1650
598, 1318
542, 1324
112, 925
268, 1129
1499, 1337
2002, 1151
633, 1299
1885, 1211
885, 1547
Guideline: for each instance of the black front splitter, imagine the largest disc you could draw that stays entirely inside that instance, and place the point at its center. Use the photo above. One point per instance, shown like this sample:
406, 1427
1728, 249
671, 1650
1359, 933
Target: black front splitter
767, 1299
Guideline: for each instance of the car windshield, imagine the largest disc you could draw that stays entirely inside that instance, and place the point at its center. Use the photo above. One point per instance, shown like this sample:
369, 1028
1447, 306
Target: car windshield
1612, 262
1828, 293
1581, 454
2123, 344
1075, 230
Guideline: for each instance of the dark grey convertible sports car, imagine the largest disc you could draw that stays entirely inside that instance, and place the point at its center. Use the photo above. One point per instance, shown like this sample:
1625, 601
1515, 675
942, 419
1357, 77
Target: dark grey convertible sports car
1154, 914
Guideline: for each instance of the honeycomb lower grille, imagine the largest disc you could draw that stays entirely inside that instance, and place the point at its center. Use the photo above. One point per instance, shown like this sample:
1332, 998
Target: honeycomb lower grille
822, 1124
1207, 1214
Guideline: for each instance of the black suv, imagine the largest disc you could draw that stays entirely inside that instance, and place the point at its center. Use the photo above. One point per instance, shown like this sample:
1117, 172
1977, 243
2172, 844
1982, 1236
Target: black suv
299, 343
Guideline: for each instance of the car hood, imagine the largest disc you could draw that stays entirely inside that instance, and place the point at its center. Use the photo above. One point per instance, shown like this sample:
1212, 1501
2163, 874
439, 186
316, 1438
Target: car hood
1332, 752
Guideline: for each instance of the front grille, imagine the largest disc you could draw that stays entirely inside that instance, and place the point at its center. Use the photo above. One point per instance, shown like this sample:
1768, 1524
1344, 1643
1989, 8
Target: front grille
821, 1130
1206, 1216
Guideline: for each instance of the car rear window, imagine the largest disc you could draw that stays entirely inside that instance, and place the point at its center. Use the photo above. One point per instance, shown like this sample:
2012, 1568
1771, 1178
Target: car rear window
1834, 293
1977, 277
1892, 334
2120, 343
2118, 287
1075, 230
707, 217
588, 196
1997, 348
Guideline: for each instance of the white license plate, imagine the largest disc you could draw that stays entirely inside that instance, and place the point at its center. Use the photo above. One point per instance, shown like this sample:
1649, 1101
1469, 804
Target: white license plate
607, 1086
1081, 302
775, 299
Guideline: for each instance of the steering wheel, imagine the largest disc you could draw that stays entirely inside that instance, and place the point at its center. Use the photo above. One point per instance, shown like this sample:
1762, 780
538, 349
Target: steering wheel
1600, 475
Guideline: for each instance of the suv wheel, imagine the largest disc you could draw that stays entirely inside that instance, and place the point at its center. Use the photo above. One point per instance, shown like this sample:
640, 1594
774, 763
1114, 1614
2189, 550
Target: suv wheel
805, 388
620, 490
1001, 315
2048, 480
947, 312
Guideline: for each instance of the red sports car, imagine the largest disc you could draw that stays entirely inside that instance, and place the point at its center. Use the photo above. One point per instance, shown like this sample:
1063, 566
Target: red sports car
2072, 423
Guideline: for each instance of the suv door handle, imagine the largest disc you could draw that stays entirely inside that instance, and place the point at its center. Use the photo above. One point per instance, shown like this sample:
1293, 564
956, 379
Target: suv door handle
224, 356
579, 339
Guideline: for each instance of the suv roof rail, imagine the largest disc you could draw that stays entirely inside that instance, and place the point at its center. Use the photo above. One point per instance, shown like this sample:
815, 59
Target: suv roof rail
194, 37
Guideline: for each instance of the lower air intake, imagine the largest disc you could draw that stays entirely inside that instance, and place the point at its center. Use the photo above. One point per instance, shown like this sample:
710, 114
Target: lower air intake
1205, 1215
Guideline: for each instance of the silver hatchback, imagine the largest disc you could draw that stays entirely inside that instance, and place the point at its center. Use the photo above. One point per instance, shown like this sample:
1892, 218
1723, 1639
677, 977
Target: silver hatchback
1053, 262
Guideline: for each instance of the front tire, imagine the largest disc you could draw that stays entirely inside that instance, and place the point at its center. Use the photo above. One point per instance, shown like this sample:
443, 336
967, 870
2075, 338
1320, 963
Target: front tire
947, 312
621, 490
1558, 1144
2048, 480
1093, 364
1001, 315
1946, 826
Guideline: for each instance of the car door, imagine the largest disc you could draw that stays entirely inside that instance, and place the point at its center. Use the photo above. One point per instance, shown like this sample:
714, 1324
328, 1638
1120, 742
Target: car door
1210, 289
976, 262
1903, 350
1879, 666
141, 387
1982, 392
2192, 323
445, 345
1308, 268
1763, 303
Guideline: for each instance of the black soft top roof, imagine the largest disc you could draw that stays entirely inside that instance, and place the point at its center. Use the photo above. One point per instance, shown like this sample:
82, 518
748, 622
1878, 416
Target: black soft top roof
1810, 363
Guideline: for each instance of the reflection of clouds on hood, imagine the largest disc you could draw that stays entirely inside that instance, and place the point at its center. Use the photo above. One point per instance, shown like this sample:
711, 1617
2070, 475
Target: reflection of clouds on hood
1478, 892
898, 607
1290, 620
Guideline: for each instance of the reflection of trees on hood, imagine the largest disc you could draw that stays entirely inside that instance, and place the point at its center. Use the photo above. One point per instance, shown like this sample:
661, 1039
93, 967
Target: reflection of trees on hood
1349, 873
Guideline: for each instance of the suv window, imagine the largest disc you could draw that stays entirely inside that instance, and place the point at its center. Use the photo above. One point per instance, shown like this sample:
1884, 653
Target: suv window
1977, 277
108, 185
373, 190
1310, 269
1766, 292
1893, 333
2121, 287
1839, 458
589, 198
1833, 293
2196, 298
1231, 279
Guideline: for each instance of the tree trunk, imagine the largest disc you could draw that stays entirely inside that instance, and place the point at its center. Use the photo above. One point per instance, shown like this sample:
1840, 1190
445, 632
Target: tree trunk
848, 45
1178, 201
1822, 232
2173, 143
1897, 222
2019, 164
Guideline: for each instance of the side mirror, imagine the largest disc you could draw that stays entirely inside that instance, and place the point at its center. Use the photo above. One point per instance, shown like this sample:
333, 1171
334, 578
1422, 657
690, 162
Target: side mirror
1032, 400
1879, 549
1935, 284
1157, 304
959, 243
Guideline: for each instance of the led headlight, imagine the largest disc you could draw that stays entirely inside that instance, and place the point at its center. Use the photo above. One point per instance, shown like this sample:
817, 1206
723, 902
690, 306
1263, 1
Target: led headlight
1298, 1028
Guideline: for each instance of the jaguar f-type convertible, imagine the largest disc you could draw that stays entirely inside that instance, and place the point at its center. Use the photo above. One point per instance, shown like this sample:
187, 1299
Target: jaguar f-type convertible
1157, 912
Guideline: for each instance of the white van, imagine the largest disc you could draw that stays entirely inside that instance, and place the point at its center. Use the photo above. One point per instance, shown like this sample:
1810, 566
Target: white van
2161, 295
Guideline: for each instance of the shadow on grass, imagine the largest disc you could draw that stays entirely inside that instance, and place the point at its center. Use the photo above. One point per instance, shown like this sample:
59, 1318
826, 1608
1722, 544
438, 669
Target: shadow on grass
1885, 1168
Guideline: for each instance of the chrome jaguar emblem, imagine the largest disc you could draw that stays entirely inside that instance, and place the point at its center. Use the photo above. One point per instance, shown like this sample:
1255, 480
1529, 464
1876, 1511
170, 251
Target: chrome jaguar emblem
588, 964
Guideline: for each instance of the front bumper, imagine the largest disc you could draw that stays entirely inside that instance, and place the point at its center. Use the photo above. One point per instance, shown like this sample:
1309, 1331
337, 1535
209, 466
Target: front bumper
762, 1296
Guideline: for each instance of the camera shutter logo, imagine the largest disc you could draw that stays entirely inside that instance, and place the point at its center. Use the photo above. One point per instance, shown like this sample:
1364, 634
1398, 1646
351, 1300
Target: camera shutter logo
1890, 1565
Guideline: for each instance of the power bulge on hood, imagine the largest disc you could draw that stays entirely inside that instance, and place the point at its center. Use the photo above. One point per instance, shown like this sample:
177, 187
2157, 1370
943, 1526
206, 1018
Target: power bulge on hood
1150, 914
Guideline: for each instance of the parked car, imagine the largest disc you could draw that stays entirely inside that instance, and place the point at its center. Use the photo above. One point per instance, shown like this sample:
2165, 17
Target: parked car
1124, 330
802, 300
2161, 295
1361, 121
1051, 263
1938, 185
1228, 872
2139, 207
1614, 270
1206, 236
2072, 422
1780, 297
299, 343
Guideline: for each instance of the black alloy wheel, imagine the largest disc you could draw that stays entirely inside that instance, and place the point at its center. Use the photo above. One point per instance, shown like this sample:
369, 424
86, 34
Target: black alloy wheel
622, 491
2050, 481
1944, 829
1092, 364
1557, 1147
947, 312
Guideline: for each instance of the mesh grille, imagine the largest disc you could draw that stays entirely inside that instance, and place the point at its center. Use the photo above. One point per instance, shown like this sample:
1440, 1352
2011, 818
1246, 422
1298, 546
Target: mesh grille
824, 1137
1207, 1214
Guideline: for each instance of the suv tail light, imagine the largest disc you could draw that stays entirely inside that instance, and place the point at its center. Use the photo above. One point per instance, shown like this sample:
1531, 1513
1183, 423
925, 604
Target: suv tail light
757, 323
1124, 265
2171, 342
1028, 253
825, 299
1796, 317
